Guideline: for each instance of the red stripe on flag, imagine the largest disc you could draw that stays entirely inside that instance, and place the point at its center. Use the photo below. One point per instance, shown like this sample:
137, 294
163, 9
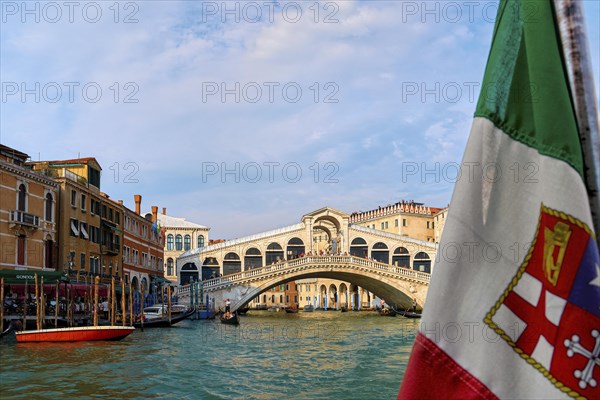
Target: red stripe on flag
433, 374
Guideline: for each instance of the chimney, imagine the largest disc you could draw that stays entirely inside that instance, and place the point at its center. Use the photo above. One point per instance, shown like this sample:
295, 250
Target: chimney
154, 212
138, 203
164, 210
120, 202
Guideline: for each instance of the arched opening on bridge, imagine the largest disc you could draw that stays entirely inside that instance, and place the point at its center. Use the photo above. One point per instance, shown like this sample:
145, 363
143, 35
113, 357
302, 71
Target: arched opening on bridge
343, 299
274, 253
401, 258
189, 272
332, 297
365, 298
232, 264
252, 259
354, 297
322, 297
422, 262
321, 238
295, 248
380, 253
210, 268
359, 248
135, 284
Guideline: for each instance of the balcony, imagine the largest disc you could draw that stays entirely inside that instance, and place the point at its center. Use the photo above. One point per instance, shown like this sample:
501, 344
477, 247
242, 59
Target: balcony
23, 218
109, 248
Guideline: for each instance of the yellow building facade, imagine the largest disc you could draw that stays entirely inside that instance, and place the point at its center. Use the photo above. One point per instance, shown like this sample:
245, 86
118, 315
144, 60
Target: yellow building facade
28, 215
90, 229
405, 218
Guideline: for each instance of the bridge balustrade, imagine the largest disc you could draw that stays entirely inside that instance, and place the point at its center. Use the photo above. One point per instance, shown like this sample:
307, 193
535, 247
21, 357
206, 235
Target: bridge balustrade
311, 260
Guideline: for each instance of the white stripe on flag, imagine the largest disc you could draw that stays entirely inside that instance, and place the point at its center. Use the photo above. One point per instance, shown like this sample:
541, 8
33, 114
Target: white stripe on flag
529, 289
543, 352
554, 307
508, 321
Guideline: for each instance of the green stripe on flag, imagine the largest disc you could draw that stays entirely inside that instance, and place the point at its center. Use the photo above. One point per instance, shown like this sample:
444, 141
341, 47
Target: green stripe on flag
520, 93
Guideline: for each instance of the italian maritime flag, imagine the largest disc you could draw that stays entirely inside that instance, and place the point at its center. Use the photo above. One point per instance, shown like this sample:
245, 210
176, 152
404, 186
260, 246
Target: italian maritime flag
513, 309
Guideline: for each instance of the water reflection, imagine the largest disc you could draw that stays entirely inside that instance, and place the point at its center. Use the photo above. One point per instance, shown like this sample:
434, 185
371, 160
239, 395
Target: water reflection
301, 356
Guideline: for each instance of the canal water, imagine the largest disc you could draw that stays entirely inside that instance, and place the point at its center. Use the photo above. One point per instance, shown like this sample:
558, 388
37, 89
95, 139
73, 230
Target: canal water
320, 355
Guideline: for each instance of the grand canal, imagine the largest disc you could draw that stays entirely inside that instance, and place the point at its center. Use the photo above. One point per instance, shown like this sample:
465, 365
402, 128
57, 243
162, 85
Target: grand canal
320, 355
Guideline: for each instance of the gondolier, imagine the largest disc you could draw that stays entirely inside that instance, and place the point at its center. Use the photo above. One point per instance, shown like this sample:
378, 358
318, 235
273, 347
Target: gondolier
414, 306
227, 305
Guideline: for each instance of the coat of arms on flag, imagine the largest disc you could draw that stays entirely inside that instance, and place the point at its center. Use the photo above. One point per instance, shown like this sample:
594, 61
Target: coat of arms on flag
548, 313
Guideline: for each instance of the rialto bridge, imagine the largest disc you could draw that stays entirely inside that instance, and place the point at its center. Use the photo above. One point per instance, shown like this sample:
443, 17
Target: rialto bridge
323, 245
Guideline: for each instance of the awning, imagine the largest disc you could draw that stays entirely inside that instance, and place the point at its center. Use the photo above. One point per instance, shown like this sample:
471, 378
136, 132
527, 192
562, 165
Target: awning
74, 229
159, 279
84, 232
12, 276
111, 226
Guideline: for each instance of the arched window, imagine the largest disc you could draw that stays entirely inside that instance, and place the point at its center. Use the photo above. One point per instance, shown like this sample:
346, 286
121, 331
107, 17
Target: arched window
200, 241
48, 207
380, 252
169, 266
187, 242
295, 248
359, 248
169, 242
22, 198
274, 253
178, 244
422, 262
231, 264
401, 257
253, 259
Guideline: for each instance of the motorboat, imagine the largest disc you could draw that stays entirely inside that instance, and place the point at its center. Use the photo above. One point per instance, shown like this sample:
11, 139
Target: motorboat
75, 334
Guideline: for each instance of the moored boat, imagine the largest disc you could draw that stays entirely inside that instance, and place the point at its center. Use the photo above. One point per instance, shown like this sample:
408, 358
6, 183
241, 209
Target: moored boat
309, 308
75, 334
158, 317
291, 310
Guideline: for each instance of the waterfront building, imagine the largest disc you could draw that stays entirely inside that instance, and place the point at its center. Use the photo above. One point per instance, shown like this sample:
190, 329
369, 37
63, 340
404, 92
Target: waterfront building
181, 236
405, 218
440, 221
283, 295
143, 250
28, 217
89, 222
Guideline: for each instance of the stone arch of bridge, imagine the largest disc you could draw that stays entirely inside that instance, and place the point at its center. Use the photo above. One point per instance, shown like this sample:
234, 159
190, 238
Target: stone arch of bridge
397, 292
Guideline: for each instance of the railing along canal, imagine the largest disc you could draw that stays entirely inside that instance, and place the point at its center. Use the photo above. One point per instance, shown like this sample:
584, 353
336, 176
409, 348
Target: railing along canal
311, 261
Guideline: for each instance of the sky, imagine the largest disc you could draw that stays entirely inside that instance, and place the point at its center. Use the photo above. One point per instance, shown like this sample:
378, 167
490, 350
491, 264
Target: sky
243, 116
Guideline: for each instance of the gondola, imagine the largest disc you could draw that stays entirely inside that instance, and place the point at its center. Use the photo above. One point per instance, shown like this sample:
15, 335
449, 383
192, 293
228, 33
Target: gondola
234, 319
410, 314
387, 312
243, 311
291, 310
